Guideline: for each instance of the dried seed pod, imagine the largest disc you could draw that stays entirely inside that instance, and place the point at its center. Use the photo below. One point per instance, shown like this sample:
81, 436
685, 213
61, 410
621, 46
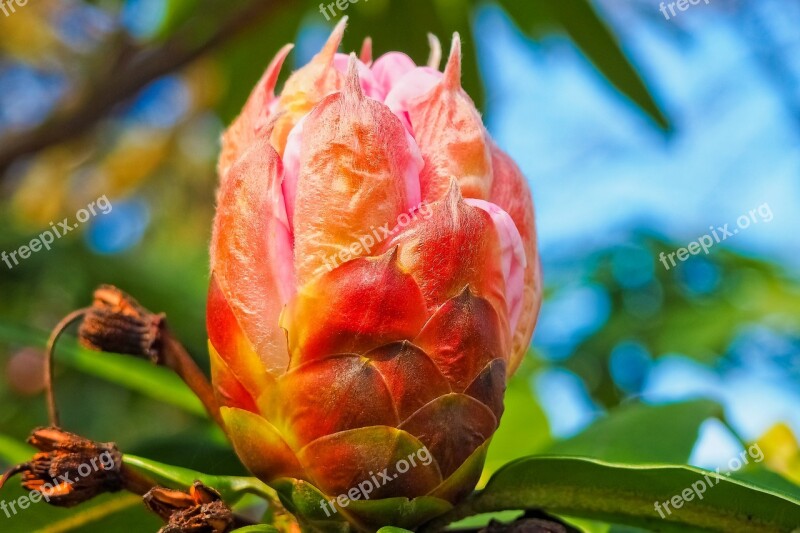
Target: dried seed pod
117, 323
201, 510
70, 469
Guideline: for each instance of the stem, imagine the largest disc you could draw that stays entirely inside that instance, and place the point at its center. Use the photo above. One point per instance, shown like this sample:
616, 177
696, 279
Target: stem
13, 472
175, 357
52, 407
134, 482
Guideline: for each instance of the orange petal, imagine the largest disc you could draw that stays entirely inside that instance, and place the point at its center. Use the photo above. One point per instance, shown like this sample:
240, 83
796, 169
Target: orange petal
490, 386
412, 378
510, 191
452, 427
228, 389
306, 87
452, 245
357, 173
228, 343
344, 461
332, 395
259, 445
462, 337
251, 255
255, 115
363, 304
451, 136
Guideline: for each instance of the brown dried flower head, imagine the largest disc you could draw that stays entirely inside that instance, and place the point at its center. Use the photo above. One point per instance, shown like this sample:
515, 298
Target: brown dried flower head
69, 469
201, 510
117, 323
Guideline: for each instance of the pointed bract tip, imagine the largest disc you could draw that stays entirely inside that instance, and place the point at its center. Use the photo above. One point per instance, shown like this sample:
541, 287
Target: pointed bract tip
453, 196
392, 254
366, 51
353, 83
332, 44
435, 57
452, 73
274, 68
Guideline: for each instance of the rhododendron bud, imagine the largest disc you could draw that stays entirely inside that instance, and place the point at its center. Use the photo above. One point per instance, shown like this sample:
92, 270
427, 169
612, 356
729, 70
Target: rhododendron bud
375, 280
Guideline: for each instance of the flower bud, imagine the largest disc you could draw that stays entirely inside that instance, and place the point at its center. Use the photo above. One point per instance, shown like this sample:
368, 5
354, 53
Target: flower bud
374, 281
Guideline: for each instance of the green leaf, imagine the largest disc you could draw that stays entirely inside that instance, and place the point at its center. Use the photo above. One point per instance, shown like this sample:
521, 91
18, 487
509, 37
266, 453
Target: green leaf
626, 494
108, 512
641, 433
586, 29
523, 428
759, 475
306, 502
231, 488
392, 529
593, 37
14, 452
262, 528
479, 521
303, 500
401, 512
175, 13
135, 374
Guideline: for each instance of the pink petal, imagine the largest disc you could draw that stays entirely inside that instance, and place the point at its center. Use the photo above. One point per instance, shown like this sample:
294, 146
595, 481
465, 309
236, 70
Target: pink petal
513, 257
291, 168
389, 68
369, 84
412, 86
510, 191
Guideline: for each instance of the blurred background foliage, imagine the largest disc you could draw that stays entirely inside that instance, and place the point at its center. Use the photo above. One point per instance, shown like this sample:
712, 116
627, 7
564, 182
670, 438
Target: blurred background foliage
637, 133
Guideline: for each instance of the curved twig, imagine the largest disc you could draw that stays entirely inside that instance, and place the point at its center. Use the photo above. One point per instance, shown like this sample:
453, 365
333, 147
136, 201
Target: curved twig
52, 407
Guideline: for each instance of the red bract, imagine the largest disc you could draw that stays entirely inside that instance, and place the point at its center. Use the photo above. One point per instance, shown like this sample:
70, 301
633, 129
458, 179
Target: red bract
374, 279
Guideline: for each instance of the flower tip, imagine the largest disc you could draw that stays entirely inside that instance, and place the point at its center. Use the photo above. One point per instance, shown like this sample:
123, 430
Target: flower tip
274, 68
452, 72
332, 45
453, 196
435, 57
393, 254
353, 83
366, 51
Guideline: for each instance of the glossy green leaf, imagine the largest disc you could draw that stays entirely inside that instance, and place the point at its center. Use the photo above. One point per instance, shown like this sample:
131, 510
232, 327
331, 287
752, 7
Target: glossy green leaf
305, 501
231, 488
262, 528
392, 529
309, 505
109, 512
641, 433
135, 374
628, 495
400, 512
585, 27
13, 452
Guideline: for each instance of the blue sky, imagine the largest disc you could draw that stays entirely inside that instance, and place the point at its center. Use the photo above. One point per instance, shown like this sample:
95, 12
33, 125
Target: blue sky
598, 168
